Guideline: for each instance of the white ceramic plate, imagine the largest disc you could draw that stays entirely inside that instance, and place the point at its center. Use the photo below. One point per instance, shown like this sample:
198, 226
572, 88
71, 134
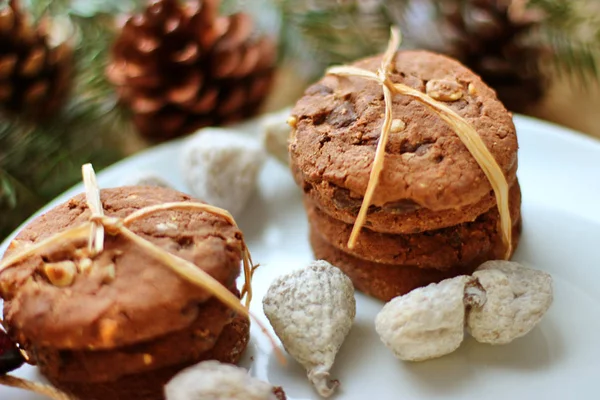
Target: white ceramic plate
560, 178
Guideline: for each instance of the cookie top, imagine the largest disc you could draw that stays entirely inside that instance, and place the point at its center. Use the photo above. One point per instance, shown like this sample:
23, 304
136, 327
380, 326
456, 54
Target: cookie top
339, 119
142, 300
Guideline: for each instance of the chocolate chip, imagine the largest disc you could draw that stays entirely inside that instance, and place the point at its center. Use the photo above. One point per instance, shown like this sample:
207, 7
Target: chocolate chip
185, 242
401, 206
307, 187
343, 201
319, 117
343, 115
422, 149
324, 139
419, 148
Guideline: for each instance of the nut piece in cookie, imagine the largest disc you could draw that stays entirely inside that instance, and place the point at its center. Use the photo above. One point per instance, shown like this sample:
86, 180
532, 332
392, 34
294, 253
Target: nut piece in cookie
516, 299
425, 323
214, 380
312, 311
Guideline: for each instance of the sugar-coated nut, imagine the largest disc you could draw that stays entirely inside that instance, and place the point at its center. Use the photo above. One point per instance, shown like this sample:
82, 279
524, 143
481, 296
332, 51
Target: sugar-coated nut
221, 167
276, 135
211, 380
516, 300
444, 90
61, 274
425, 323
312, 311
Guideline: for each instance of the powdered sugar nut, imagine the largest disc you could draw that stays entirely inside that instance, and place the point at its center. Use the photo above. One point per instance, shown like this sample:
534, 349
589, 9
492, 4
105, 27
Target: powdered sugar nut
275, 136
213, 380
516, 300
312, 311
221, 167
425, 323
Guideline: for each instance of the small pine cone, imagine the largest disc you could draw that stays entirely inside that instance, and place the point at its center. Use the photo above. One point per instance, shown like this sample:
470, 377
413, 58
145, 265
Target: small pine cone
497, 39
179, 68
34, 76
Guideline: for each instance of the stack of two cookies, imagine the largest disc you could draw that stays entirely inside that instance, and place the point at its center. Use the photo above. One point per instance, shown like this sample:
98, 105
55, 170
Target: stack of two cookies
120, 325
433, 214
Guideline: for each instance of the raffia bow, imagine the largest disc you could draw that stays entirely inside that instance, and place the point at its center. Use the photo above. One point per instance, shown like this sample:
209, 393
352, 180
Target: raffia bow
95, 230
463, 129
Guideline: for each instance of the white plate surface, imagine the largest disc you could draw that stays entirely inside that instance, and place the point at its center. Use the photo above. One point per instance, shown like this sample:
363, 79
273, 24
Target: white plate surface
560, 177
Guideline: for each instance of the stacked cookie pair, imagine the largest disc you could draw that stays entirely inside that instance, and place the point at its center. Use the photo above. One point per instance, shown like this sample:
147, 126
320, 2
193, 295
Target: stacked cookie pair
121, 324
433, 214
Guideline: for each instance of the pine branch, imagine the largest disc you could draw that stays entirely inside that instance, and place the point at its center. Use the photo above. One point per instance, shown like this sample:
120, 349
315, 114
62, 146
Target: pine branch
38, 162
572, 30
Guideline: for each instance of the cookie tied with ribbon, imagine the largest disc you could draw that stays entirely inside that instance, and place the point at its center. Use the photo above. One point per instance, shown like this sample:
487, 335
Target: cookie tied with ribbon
463, 129
407, 161
118, 290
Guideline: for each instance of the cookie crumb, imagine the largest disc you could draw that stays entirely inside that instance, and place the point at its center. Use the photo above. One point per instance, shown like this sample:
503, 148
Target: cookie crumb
398, 125
472, 90
292, 121
84, 265
444, 90
148, 359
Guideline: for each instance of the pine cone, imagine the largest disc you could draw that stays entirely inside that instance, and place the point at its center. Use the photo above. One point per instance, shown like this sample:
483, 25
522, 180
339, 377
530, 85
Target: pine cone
34, 76
496, 39
181, 68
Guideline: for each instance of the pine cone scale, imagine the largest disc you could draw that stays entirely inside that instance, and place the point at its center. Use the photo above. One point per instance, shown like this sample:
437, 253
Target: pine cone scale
493, 38
7, 65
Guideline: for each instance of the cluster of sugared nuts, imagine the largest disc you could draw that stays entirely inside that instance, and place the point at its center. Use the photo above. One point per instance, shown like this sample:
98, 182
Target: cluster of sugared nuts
312, 311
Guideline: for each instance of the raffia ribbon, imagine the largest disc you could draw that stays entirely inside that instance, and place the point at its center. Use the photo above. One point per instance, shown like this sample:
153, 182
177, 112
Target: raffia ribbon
96, 228
98, 223
463, 129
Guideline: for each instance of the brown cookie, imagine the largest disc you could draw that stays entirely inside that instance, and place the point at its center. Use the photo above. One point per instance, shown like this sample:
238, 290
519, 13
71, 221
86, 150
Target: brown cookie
149, 385
339, 119
385, 281
145, 299
402, 217
442, 249
111, 364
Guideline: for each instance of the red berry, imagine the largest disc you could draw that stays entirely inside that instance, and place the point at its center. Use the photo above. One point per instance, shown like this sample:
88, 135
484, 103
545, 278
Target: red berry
10, 356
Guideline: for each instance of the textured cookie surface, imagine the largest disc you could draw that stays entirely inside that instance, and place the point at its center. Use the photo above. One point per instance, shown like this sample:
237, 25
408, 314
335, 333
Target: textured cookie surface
149, 385
400, 217
111, 364
143, 301
440, 249
385, 281
339, 122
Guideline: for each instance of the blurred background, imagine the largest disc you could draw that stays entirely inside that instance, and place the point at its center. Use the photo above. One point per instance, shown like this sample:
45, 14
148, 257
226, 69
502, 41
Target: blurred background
98, 80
